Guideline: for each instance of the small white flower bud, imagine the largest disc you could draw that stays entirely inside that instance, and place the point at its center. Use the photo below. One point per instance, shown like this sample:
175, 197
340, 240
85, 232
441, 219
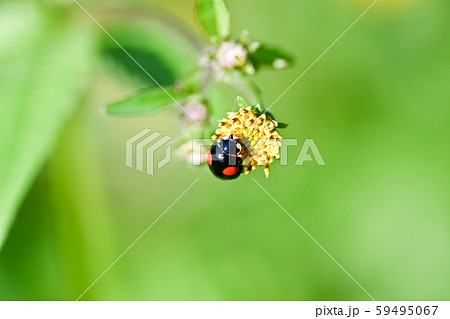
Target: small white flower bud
280, 64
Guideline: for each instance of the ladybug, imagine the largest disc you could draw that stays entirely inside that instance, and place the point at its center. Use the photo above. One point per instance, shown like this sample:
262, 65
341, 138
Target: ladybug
225, 158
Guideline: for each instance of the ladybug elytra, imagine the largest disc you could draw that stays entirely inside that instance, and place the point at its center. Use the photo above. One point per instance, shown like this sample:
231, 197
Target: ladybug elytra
225, 158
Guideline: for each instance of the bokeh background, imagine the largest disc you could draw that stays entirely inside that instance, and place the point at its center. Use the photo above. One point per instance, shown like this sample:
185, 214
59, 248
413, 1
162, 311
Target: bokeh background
377, 106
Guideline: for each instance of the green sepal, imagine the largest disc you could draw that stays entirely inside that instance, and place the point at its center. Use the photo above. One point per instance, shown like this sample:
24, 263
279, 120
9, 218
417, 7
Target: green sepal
240, 102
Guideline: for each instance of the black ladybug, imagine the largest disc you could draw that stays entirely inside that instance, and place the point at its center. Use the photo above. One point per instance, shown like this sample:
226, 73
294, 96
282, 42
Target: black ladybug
225, 158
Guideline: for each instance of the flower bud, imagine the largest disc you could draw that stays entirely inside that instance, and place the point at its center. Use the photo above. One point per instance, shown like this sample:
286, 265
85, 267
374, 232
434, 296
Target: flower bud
231, 55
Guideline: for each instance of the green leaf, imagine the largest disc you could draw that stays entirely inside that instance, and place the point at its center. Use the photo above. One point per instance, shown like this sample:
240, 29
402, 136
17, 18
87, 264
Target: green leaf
269, 56
40, 83
163, 51
144, 102
214, 17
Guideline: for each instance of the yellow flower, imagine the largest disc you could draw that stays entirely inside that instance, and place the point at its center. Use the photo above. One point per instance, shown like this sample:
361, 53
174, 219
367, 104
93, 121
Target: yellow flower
258, 133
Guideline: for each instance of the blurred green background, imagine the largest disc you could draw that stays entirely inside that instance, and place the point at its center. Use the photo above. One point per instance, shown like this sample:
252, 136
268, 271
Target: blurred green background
377, 106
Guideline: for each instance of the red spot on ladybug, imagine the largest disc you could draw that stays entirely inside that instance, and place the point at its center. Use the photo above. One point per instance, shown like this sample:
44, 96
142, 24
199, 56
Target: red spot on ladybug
209, 158
231, 170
